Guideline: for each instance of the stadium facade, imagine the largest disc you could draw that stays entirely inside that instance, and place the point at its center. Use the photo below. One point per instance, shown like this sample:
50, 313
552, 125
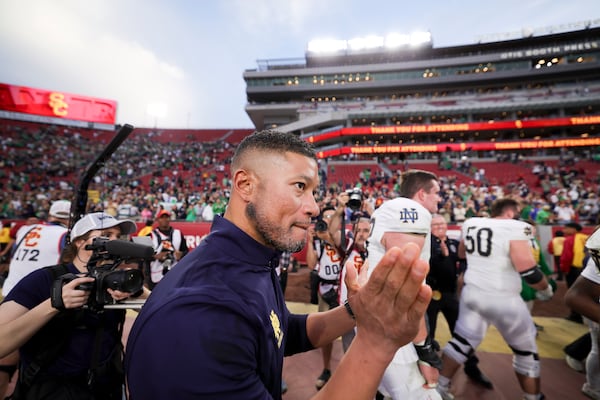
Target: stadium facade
536, 94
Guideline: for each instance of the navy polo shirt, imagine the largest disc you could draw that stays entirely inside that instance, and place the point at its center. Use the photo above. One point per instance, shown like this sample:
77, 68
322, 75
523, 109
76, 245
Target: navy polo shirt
216, 326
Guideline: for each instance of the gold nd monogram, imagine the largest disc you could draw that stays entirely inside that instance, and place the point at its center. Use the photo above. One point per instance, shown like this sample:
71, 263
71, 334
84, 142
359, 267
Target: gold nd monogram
58, 104
276, 328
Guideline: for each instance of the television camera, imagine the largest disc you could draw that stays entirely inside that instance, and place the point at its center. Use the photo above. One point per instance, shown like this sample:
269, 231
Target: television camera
107, 256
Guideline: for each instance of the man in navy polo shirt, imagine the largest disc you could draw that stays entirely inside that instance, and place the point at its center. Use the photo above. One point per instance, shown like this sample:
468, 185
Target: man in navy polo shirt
217, 327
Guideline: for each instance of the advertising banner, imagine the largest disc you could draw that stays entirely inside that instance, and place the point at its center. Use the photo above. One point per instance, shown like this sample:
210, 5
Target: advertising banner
56, 104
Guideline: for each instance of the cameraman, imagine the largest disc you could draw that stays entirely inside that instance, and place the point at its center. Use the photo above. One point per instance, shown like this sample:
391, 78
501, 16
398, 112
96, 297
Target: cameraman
325, 254
67, 351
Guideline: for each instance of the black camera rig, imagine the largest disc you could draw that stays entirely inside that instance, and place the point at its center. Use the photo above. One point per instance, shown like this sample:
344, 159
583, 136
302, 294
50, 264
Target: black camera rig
107, 256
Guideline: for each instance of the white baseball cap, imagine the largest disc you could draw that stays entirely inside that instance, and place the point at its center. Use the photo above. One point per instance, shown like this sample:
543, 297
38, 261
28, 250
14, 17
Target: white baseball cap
100, 221
60, 209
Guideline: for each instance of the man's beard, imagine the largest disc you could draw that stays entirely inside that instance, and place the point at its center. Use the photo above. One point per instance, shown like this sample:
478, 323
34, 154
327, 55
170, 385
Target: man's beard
272, 235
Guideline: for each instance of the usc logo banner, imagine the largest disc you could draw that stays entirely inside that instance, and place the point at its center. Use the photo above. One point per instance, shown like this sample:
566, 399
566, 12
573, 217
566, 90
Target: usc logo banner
55, 104
58, 105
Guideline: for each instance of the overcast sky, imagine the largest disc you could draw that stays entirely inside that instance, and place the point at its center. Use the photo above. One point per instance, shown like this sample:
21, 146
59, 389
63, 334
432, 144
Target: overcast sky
190, 55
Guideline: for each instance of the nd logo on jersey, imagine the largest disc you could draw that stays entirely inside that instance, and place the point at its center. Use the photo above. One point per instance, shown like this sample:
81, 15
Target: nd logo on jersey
409, 215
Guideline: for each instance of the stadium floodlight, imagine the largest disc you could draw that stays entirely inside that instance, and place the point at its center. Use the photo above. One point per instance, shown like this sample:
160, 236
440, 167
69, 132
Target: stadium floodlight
391, 41
419, 38
327, 45
395, 40
365, 43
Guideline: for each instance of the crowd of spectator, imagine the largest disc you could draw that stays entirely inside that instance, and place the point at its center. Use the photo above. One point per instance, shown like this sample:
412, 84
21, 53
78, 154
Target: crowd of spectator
190, 179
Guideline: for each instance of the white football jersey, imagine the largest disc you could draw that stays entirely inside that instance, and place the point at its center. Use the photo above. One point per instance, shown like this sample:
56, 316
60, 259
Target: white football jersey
405, 216
39, 246
398, 215
487, 245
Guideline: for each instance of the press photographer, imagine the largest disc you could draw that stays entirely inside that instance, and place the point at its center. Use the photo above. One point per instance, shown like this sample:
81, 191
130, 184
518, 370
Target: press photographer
169, 245
68, 350
355, 199
326, 250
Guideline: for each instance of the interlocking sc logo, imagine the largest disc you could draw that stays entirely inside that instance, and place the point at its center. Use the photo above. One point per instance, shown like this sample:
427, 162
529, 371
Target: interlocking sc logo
58, 104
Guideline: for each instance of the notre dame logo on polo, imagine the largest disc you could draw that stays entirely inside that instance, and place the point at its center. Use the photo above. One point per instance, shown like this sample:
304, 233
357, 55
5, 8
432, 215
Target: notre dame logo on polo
409, 215
276, 324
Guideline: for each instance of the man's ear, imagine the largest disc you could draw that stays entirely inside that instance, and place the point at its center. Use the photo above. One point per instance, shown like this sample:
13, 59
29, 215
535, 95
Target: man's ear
243, 182
420, 195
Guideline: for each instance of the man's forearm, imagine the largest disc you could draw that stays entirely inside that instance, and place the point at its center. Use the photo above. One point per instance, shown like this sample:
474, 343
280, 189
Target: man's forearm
358, 374
324, 327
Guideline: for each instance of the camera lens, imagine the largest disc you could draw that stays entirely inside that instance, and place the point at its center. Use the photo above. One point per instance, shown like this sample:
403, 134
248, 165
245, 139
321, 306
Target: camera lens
355, 201
321, 226
130, 280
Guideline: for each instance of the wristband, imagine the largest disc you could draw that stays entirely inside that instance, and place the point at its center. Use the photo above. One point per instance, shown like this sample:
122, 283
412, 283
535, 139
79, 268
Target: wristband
428, 355
56, 295
349, 309
56, 299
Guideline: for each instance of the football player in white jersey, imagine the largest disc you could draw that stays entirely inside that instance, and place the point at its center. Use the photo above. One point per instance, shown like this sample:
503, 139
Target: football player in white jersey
582, 297
36, 246
498, 253
413, 373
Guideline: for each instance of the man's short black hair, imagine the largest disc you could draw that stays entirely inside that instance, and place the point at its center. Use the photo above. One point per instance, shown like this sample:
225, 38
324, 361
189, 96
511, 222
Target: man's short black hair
274, 141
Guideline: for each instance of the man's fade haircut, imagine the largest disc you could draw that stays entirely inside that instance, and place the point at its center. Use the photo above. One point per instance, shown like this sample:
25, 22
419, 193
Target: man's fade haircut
272, 141
414, 180
499, 206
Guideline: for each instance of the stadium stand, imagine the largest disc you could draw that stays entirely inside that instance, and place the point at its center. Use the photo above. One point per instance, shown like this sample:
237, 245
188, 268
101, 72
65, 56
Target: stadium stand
480, 116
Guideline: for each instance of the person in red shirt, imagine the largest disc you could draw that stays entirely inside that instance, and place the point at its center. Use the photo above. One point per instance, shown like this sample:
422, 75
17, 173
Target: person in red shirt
555, 247
571, 259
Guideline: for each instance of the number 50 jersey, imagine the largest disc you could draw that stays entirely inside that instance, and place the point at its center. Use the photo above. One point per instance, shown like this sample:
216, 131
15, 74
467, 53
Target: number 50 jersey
487, 245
